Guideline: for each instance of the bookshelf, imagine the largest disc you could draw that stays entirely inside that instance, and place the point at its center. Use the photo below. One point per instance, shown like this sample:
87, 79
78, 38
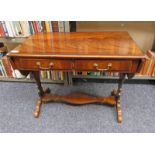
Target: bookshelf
13, 33
73, 26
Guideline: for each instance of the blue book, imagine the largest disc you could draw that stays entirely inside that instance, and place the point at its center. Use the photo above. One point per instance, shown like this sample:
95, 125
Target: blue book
30, 26
50, 23
15, 28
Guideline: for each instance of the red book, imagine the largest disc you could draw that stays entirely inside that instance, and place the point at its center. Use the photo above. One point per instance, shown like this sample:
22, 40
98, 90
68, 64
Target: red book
2, 33
7, 66
35, 26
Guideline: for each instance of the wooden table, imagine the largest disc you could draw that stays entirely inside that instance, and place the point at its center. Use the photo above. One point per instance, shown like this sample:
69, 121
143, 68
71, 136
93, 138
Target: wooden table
79, 51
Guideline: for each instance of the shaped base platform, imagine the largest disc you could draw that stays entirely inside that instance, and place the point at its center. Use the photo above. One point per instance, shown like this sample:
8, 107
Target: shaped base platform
74, 99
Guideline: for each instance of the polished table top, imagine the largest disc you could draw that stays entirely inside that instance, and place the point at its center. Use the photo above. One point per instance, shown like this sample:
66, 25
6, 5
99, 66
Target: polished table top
78, 51
79, 45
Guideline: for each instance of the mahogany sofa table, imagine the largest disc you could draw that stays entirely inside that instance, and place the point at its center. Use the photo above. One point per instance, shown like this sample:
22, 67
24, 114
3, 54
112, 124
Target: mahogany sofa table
79, 51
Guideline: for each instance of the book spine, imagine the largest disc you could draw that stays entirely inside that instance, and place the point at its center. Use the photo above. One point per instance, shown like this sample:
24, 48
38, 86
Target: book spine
37, 26
61, 75
43, 26
19, 28
54, 75
24, 27
4, 74
153, 74
47, 26
1, 74
2, 33
153, 64
48, 75
12, 29
34, 26
51, 30
30, 27
61, 26
10, 34
7, 66
15, 28
5, 29
55, 26
66, 26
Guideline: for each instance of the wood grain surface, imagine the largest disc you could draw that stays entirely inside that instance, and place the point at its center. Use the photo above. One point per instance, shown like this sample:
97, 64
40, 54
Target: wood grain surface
79, 45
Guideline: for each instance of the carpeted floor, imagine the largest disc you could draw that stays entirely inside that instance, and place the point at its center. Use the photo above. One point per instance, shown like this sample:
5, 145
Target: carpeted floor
17, 102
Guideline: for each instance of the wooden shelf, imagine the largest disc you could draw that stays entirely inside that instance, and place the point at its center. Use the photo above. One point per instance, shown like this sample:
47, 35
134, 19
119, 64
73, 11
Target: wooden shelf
110, 77
12, 39
29, 80
6, 79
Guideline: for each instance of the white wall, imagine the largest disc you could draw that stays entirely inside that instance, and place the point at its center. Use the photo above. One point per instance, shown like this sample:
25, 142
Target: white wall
142, 32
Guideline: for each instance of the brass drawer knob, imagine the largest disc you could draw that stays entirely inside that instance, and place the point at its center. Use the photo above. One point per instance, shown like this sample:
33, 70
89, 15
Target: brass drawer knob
104, 69
44, 68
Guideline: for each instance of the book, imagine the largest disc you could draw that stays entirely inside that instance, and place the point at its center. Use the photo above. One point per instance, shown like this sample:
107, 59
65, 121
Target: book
66, 26
7, 66
2, 33
61, 26
43, 26
5, 29
55, 26
153, 65
30, 27
10, 33
50, 23
48, 75
39, 26
148, 65
12, 29
15, 28
4, 74
25, 28
34, 26
47, 26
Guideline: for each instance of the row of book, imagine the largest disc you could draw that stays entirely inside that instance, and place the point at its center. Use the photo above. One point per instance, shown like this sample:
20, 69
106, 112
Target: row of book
52, 75
85, 73
27, 28
148, 68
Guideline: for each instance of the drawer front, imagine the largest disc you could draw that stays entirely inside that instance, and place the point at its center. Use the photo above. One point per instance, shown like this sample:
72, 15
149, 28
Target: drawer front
103, 65
42, 64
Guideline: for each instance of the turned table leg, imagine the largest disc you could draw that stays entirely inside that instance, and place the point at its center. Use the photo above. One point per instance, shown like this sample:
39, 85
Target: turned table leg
118, 96
40, 93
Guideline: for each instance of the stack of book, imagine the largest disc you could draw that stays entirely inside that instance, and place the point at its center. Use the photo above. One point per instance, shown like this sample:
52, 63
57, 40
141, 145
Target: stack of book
5, 67
27, 28
148, 68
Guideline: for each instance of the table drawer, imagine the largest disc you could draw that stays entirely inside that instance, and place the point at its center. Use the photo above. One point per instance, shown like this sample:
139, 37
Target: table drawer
42, 64
103, 65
